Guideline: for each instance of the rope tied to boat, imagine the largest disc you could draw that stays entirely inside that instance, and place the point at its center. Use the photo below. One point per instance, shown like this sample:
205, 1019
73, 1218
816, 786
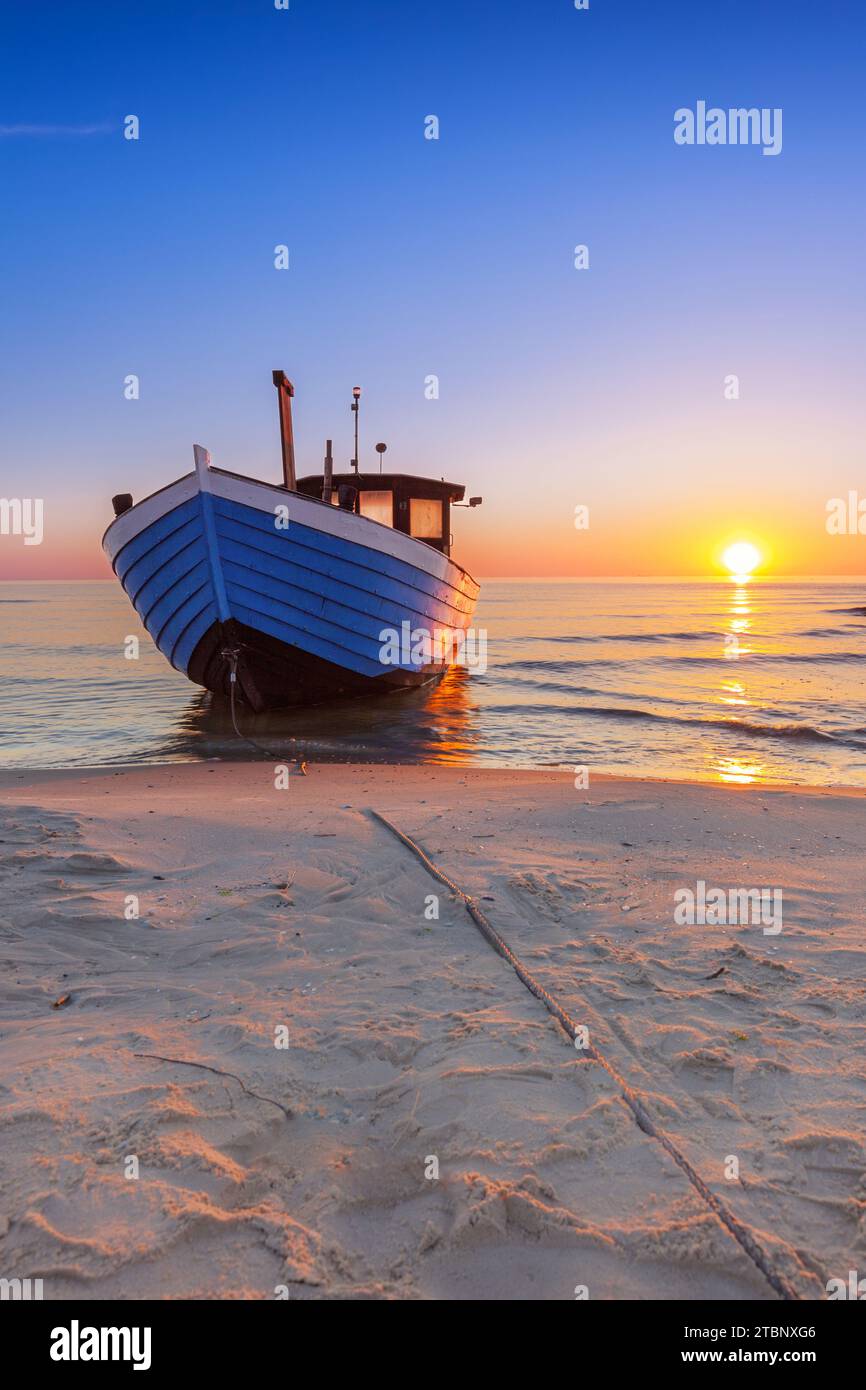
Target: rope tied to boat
741, 1233
232, 655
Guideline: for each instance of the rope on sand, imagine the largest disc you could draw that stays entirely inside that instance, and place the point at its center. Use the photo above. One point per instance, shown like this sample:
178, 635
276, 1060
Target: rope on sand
741, 1234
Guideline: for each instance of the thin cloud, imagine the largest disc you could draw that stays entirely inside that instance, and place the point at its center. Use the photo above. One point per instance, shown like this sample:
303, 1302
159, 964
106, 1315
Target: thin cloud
10, 130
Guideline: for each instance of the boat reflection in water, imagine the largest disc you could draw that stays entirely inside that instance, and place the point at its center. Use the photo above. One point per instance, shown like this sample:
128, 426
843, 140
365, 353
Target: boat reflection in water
435, 724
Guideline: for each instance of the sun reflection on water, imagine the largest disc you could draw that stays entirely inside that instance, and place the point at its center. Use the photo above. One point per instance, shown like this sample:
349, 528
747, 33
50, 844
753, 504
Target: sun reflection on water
735, 770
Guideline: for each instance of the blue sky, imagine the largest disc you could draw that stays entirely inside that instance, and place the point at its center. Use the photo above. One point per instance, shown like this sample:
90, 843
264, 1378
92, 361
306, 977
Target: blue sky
411, 257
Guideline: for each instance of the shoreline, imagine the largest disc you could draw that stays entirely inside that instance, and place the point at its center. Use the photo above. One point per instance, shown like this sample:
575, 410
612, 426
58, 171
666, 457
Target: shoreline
305, 1166
8, 775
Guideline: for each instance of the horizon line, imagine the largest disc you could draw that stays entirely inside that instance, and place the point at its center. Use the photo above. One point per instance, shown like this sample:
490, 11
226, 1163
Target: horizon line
704, 577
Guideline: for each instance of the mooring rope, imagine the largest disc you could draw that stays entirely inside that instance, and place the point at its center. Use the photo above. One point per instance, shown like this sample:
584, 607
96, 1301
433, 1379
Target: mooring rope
741, 1234
232, 655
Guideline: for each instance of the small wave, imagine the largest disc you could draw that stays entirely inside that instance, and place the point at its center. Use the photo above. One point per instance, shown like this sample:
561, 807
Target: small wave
559, 669
798, 732
565, 639
805, 732
592, 663
860, 610
547, 686
767, 658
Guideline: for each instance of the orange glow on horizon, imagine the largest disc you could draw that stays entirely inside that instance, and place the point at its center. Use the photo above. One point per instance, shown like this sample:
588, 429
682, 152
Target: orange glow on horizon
535, 537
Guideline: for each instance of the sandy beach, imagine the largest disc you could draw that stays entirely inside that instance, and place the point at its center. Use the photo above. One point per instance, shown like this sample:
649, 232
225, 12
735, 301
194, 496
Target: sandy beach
251, 1084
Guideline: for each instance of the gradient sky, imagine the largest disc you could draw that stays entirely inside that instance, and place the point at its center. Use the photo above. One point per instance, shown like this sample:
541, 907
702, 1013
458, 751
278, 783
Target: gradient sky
411, 257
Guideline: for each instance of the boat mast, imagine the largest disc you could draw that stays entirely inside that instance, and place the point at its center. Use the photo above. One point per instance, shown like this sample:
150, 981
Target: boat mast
356, 405
285, 392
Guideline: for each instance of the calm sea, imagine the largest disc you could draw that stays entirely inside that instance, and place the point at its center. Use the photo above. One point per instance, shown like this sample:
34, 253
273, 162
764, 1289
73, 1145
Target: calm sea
757, 681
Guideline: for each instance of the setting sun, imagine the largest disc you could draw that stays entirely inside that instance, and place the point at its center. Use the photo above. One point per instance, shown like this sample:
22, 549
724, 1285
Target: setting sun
741, 558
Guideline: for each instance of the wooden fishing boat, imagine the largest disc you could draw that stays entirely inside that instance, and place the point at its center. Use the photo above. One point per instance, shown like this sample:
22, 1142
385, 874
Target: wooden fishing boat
318, 588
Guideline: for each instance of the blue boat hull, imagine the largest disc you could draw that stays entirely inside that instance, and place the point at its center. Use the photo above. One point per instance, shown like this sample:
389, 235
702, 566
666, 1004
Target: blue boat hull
306, 599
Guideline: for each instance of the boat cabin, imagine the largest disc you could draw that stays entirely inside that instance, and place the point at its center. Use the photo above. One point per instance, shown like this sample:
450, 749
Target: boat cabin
419, 507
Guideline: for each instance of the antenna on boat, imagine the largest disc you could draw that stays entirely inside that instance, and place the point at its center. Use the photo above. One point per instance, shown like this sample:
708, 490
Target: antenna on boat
328, 475
356, 402
380, 449
285, 391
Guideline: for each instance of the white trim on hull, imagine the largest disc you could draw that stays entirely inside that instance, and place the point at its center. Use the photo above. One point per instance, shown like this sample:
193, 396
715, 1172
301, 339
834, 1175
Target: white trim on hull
306, 511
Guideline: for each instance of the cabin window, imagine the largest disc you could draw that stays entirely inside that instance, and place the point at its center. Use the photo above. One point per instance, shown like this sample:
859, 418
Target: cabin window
425, 518
378, 506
